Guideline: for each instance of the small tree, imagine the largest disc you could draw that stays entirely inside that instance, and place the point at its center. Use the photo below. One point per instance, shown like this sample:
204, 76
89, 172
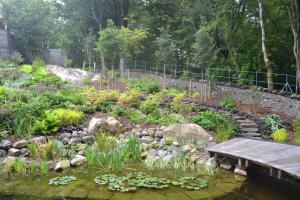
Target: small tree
166, 47
89, 45
130, 44
17, 58
204, 48
108, 44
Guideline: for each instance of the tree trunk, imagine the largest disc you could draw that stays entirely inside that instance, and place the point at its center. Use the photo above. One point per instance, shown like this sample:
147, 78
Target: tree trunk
267, 60
294, 14
122, 66
103, 70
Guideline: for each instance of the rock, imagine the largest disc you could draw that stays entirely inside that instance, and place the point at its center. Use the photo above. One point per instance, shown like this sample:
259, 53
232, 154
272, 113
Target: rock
187, 132
40, 139
5, 144
240, 172
159, 134
146, 139
211, 162
81, 147
64, 135
20, 144
145, 146
75, 134
2, 153
65, 141
226, 166
186, 148
78, 160
8, 163
25, 152
14, 152
144, 154
162, 153
151, 132
113, 122
176, 144
169, 157
192, 159
152, 153
75, 76
95, 124
89, 139
74, 141
51, 164
62, 165
145, 133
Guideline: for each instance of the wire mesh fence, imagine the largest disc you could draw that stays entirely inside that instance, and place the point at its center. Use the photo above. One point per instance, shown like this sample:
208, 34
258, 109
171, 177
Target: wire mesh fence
256, 78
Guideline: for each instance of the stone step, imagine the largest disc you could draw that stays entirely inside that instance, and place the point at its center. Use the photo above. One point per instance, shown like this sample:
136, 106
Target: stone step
236, 117
250, 130
248, 126
246, 121
251, 135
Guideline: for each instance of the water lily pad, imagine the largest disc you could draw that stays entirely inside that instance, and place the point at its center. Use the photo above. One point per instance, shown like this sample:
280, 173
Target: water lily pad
62, 180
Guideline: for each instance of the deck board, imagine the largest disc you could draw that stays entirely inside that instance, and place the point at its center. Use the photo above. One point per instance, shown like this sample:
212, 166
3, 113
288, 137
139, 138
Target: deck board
270, 154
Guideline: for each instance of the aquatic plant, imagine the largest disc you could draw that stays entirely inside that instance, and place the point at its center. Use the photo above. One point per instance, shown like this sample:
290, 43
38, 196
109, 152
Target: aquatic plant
19, 166
44, 167
133, 181
133, 149
33, 149
65, 180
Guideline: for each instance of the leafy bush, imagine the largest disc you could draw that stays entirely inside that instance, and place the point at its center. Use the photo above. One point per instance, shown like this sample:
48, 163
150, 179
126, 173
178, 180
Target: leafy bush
17, 58
118, 111
135, 115
296, 125
280, 135
196, 95
98, 97
6, 64
150, 106
68, 63
53, 119
228, 103
26, 69
273, 121
171, 118
144, 85
223, 125
105, 107
129, 97
178, 106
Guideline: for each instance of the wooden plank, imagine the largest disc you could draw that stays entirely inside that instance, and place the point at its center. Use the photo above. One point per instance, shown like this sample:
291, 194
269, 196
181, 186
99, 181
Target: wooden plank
282, 157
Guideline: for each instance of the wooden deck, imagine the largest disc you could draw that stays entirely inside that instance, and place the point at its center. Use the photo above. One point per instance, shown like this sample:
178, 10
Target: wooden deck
275, 156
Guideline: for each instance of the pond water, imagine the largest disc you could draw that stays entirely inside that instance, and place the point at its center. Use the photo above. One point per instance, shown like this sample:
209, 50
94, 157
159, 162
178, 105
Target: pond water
226, 186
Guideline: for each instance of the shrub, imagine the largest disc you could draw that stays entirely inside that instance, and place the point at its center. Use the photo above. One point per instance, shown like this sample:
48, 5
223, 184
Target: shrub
118, 111
221, 124
98, 97
53, 119
228, 103
273, 121
179, 107
135, 115
6, 64
296, 125
171, 118
129, 97
26, 69
67, 116
150, 106
68, 63
144, 85
280, 135
17, 58
196, 95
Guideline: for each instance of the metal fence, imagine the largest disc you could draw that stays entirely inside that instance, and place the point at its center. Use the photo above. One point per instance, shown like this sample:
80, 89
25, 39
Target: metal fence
256, 78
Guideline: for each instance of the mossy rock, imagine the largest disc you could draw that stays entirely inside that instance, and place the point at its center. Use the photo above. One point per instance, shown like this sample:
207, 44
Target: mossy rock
122, 196
100, 194
177, 196
198, 195
215, 192
146, 195
79, 193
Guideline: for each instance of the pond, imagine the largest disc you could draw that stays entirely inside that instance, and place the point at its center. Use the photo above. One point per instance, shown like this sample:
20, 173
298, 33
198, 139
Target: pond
225, 186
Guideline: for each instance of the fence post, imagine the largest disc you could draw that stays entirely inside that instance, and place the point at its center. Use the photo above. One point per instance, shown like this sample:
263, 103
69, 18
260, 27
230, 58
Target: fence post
135, 64
83, 65
128, 76
190, 89
94, 66
156, 69
175, 71
145, 66
256, 75
229, 79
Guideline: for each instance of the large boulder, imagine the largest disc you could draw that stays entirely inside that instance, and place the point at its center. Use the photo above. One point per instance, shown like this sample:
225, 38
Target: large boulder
20, 144
62, 165
75, 76
113, 122
95, 124
78, 160
186, 132
5, 144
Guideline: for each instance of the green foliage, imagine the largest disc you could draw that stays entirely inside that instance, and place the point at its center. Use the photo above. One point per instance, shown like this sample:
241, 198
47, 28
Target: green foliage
273, 121
6, 64
296, 125
65, 180
144, 85
19, 166
17, 58
53, 119
150, 106
228, 103
223, 125
68, 63
280, 135
44, 167
118, 111
135, 115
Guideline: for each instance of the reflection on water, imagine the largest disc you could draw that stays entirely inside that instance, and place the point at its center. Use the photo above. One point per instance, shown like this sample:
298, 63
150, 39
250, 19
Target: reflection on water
226, 186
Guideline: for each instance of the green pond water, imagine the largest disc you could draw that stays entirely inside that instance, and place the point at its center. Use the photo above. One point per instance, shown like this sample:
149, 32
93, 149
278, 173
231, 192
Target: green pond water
226, 186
